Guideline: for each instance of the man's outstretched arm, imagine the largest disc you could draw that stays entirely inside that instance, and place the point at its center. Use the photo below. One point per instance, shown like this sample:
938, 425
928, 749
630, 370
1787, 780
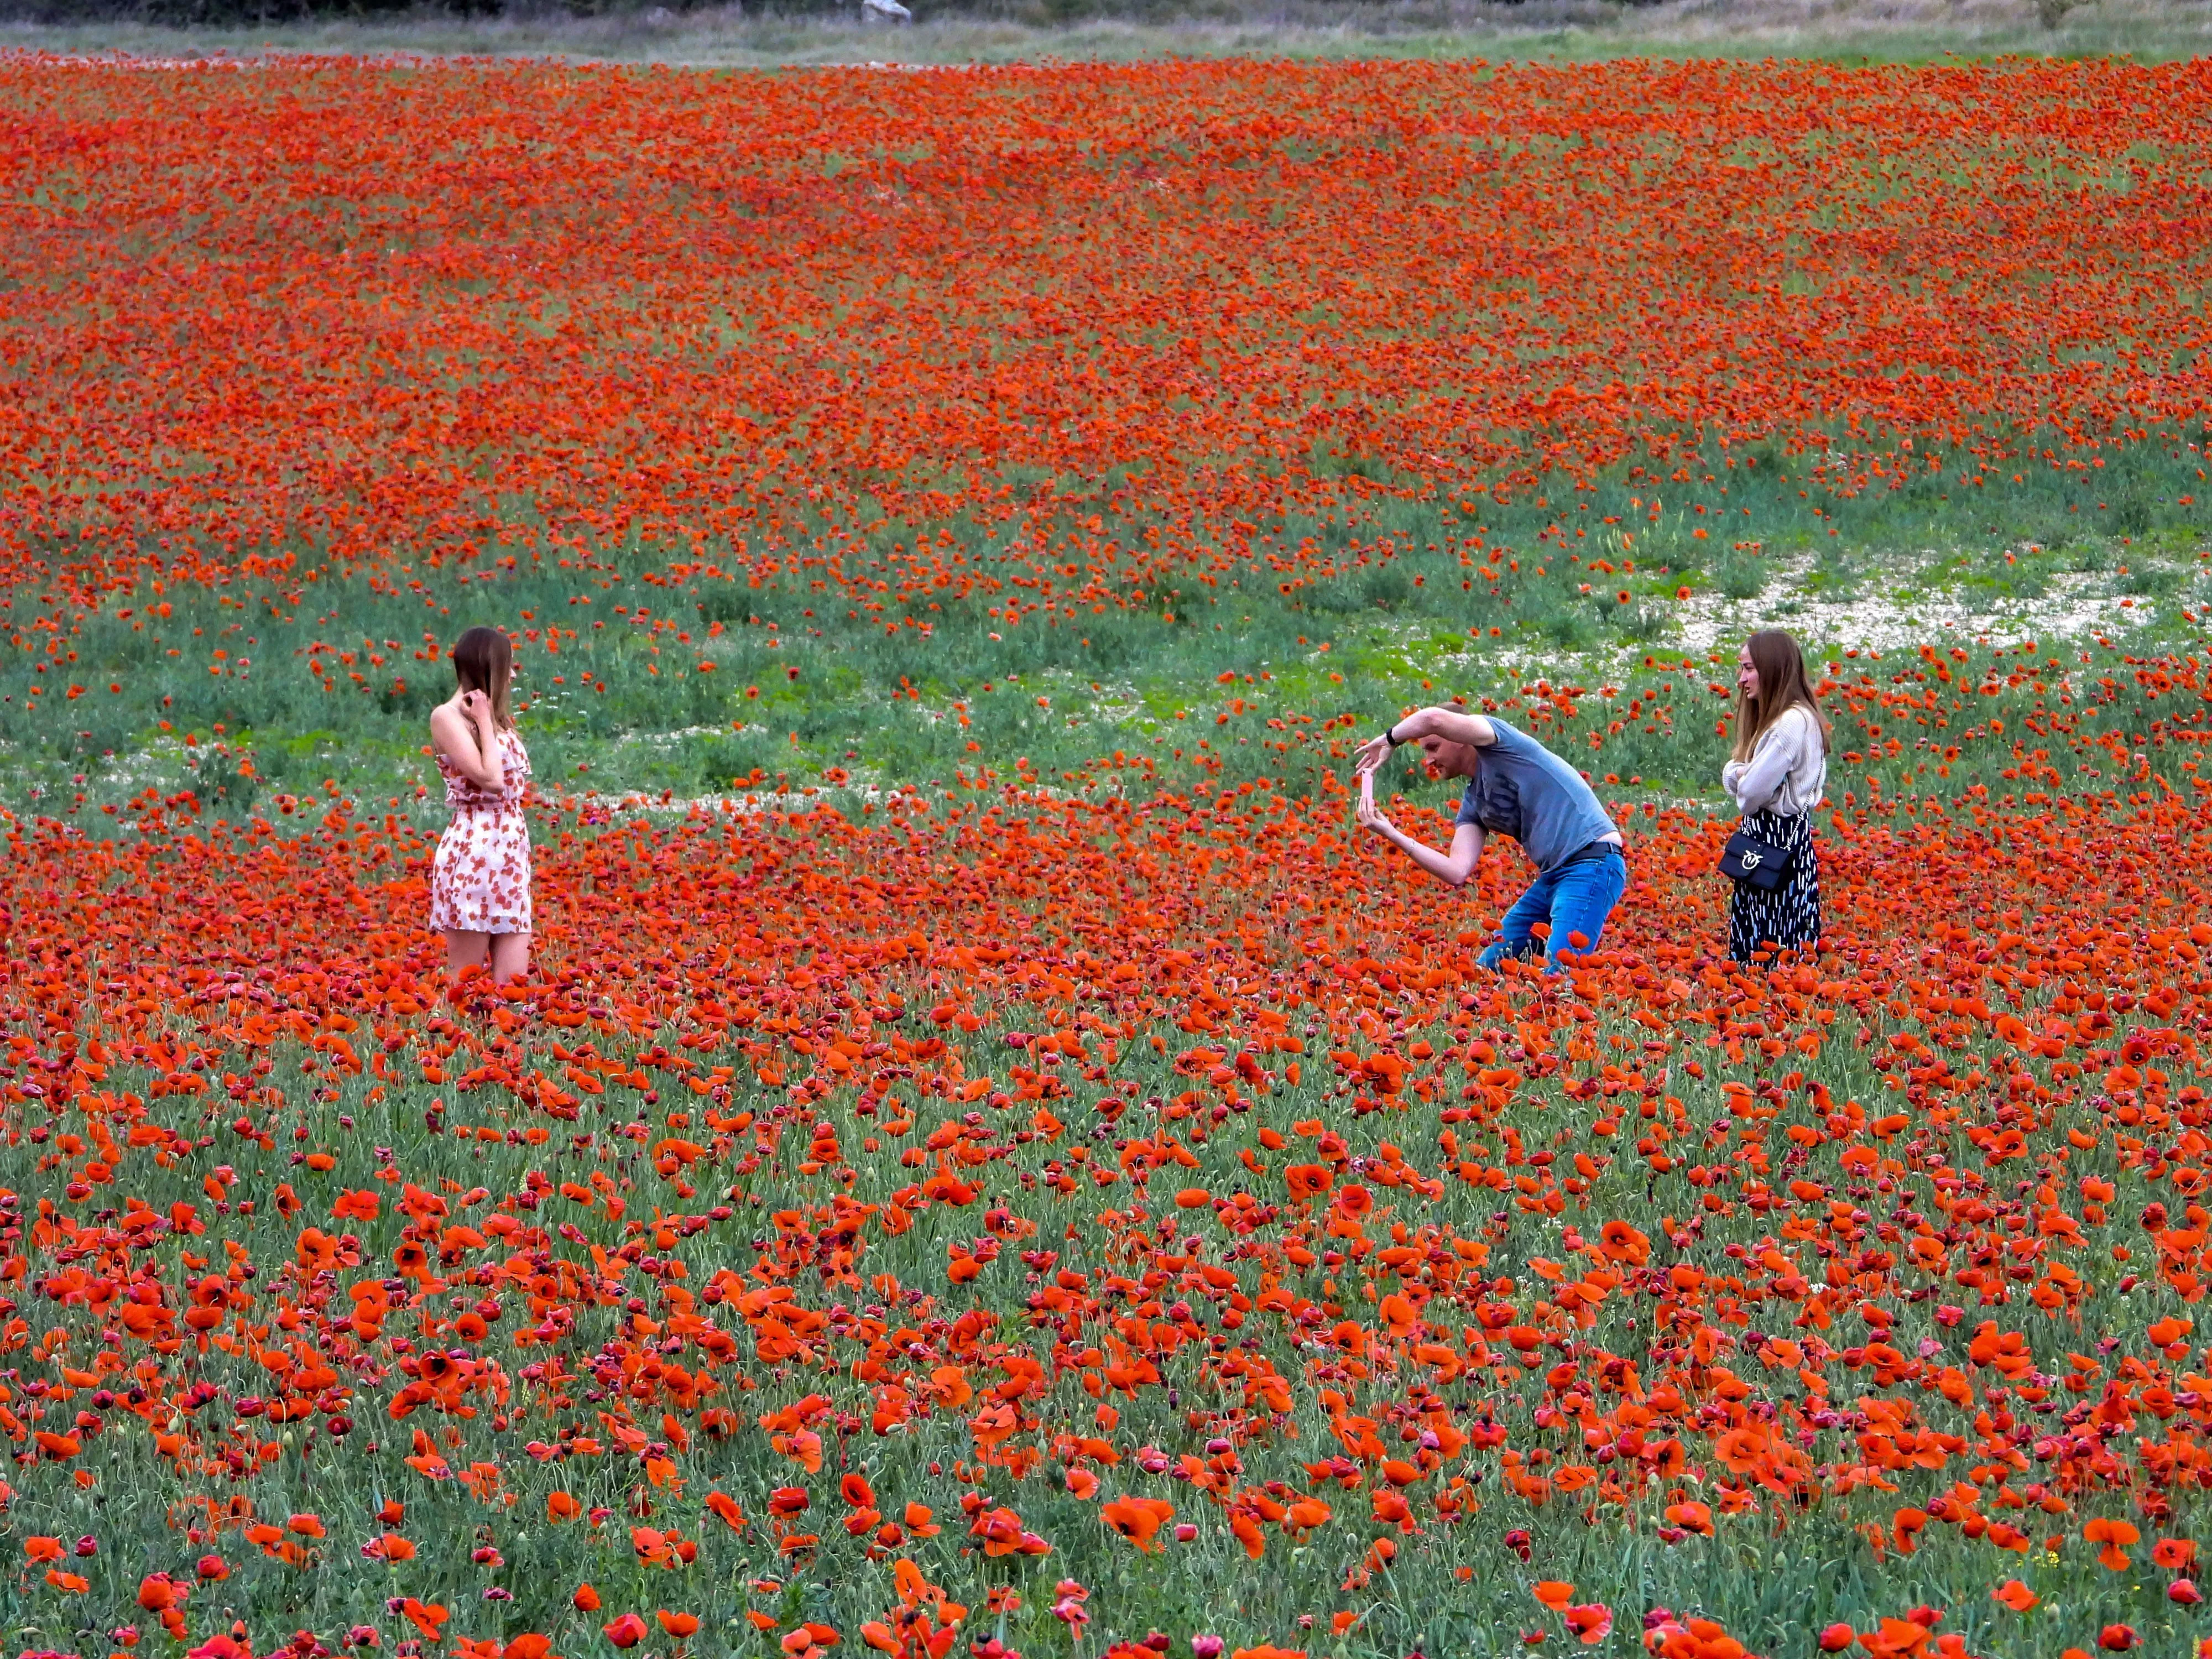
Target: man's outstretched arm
1453, 868
1452, 725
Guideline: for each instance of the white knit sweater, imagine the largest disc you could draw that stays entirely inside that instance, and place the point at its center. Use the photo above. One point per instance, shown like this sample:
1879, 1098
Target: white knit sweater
1787, 771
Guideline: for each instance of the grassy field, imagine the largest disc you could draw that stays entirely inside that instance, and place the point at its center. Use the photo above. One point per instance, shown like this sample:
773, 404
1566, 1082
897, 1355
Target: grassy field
708, 689
988, 1161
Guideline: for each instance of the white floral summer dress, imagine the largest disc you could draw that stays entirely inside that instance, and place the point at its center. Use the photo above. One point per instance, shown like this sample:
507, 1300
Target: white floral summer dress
480, 877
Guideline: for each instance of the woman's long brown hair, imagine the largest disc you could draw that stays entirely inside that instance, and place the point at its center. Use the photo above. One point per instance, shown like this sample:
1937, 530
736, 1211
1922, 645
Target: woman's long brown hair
482, 660
1783, 685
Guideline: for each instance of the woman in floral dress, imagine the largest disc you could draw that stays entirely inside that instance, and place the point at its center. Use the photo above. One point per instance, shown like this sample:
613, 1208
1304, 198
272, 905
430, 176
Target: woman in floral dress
480, 878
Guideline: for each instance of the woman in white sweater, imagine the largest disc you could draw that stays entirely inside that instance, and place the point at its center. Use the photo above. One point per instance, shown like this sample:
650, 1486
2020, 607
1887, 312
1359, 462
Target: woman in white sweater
1777, 777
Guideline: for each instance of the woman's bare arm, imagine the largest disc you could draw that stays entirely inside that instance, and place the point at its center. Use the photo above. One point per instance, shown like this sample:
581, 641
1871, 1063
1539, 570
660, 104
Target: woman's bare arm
466, 738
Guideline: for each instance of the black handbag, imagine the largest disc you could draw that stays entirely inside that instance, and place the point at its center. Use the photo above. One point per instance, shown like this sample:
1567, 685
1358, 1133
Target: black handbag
1750, 862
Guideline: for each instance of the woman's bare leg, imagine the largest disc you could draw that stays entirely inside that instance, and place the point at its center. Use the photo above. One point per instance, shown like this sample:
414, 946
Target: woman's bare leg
464, 950
510, 957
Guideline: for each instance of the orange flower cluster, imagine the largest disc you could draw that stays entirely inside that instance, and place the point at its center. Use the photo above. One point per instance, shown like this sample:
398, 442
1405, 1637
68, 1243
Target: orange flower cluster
1168, 1172
380, 314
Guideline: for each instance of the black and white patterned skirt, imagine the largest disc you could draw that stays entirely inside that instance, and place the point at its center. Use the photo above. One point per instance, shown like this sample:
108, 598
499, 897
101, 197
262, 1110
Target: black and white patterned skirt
1789, 918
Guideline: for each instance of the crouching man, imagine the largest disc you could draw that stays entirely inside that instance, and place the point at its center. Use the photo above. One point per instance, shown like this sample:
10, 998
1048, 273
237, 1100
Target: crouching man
1516, 787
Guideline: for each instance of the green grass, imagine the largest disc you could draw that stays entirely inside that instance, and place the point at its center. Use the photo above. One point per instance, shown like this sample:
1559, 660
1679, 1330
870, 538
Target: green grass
1272, 668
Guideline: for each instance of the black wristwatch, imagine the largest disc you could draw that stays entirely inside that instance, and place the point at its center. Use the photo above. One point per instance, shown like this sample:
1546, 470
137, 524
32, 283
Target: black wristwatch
1391, 736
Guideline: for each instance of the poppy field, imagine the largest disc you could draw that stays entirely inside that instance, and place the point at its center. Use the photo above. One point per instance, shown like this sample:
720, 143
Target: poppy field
989, 1162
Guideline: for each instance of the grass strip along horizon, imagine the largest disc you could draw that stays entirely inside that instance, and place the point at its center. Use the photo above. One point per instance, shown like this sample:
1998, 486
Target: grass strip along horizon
988, 1161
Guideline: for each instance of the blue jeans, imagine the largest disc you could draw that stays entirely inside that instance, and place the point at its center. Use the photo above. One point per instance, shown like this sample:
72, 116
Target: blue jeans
1574, 898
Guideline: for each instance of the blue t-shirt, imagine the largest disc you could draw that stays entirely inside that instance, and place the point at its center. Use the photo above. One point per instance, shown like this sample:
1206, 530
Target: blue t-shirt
1522, 789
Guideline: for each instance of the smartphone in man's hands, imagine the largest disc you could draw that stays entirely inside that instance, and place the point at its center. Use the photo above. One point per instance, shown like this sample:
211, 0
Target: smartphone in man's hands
1367, 789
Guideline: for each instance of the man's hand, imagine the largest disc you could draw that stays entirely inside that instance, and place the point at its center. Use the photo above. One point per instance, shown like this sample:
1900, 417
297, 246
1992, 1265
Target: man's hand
1370, 755
1371, 817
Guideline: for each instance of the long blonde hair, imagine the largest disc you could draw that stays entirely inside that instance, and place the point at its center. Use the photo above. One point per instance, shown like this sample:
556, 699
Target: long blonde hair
482, 658
1783, 685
